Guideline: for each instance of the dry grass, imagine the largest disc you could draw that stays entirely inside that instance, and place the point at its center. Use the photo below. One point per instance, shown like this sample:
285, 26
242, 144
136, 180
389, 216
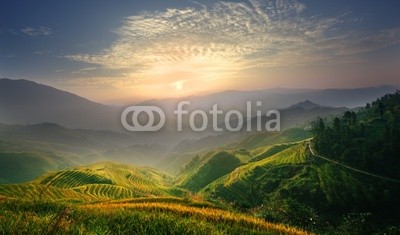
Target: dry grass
209, 214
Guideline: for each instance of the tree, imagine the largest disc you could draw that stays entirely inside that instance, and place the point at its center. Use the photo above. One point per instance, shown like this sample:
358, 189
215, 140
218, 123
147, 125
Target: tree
336, 124
321, 125
381, 108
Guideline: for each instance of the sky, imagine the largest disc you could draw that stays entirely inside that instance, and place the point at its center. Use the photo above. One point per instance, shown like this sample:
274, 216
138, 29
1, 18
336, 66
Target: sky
125, 51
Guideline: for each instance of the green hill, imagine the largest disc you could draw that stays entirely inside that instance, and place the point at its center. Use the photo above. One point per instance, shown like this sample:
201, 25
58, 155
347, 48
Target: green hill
214, 167
294, 187
173, 162
116, 198
270, 138
95, 182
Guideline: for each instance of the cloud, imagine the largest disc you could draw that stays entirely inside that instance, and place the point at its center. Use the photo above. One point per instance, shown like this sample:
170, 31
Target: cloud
84, 70
225, 39
40, 31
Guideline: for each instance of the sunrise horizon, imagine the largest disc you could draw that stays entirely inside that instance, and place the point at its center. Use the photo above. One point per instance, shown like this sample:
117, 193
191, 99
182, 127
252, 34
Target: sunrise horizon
137, 51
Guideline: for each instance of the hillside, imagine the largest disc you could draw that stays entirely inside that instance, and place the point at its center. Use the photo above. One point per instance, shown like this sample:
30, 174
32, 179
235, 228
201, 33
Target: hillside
300, 115
175, 160
263, 139
17, 167
31, 150
294, 187
92, 183
23, 101
54, 134
208, 167
138, 216
213, 168
278, 98
116, 198
368, 139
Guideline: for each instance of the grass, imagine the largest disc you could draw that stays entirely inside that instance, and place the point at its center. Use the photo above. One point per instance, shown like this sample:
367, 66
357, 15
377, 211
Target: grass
268, 151
36, 192
139, 216
269, 138
213, 168
292, 186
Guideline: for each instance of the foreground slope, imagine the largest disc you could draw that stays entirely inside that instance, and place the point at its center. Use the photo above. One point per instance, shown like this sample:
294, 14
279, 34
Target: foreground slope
137, 216
112, 198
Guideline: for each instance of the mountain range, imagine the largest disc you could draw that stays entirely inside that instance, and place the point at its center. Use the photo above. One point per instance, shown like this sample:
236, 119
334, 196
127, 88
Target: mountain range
26, 102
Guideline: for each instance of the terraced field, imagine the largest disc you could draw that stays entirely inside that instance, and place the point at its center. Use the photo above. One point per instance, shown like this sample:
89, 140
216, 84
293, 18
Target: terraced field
37, 192
104, 181
74, 178
264, 152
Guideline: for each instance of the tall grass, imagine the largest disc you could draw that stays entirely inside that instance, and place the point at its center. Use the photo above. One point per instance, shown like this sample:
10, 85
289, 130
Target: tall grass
167, 216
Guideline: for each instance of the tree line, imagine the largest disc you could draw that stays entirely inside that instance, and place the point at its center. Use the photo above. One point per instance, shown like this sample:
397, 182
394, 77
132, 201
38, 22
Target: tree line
368, 140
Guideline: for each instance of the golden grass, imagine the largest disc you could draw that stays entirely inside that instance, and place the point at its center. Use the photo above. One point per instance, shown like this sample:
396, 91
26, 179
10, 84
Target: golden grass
210, 214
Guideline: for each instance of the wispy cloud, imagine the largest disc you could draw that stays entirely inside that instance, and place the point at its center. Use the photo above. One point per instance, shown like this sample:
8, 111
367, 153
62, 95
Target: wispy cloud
224, 39
84, 70
40, 31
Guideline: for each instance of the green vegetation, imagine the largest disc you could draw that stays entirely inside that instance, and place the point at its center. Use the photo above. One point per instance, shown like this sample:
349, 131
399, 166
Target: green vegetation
334, 183
18, 167
103, 181
139, 216
218, 165
269, 138
368, 140
264, 152
295, 188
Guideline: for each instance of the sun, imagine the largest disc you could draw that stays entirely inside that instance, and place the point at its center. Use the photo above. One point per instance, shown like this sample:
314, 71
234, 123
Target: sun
179, 85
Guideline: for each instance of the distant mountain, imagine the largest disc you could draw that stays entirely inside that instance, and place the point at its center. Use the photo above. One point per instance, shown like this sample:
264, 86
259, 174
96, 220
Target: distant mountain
23, 102
26, 102
299, 114
304, 112
305, 105
278, 98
